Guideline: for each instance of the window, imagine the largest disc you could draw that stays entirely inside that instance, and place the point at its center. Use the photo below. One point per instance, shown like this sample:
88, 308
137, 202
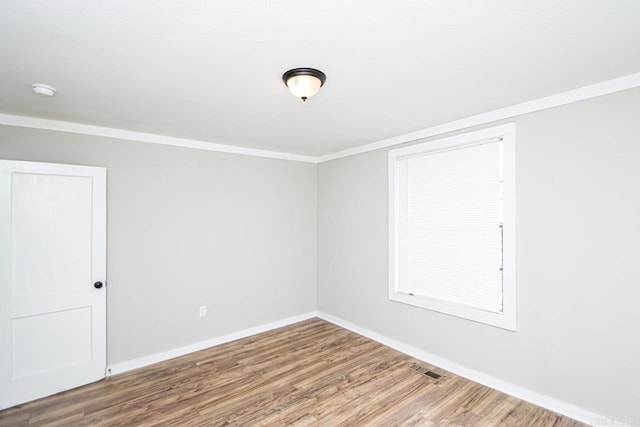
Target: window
452, 226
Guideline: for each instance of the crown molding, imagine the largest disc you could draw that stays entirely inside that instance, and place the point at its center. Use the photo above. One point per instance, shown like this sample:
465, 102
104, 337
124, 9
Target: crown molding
71, 127
604, 88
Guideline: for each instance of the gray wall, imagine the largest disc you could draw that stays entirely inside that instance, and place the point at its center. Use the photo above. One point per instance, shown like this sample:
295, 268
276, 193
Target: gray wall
578, 262
189, 228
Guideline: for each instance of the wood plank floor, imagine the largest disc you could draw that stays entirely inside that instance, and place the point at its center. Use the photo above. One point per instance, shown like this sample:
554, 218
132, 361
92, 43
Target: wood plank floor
310, 373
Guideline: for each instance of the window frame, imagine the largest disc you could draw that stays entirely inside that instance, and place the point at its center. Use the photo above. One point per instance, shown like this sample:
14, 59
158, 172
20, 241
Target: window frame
507, 318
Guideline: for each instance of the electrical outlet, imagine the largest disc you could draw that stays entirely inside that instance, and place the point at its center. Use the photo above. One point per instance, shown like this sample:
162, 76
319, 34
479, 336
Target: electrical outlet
203, 310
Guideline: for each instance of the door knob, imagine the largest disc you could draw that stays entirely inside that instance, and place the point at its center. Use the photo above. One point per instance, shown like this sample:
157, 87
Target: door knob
97, 285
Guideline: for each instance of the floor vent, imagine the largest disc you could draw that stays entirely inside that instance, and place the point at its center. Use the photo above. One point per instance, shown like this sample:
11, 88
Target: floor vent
426, 372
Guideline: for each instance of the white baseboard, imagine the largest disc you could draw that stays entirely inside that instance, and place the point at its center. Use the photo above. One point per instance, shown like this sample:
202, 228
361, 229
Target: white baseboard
141, 362
536, 398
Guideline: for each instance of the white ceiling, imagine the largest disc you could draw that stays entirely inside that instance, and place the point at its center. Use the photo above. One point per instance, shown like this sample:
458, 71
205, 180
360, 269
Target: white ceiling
211, 70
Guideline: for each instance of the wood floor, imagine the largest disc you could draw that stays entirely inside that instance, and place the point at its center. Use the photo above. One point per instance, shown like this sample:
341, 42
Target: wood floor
309, 374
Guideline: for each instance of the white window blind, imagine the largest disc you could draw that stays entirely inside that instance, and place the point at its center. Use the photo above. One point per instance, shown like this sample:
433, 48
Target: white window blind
452, 225
449, 225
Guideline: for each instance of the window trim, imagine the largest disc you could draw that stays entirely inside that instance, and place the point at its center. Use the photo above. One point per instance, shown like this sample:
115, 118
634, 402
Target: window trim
507, 318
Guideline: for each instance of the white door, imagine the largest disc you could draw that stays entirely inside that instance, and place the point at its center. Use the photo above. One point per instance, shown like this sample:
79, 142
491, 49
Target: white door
52, 252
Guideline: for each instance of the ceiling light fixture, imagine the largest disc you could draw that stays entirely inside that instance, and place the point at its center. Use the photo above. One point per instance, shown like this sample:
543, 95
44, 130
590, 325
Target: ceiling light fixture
304, 82
43, 89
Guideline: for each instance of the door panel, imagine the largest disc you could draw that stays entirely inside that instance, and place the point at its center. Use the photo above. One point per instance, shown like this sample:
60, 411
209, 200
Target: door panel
52, 250
64, 340
50, 215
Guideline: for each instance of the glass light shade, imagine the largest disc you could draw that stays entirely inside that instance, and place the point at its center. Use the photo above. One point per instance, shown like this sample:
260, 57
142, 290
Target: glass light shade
304, 86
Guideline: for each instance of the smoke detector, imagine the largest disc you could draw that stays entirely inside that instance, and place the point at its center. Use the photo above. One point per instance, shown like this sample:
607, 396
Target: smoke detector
43, 89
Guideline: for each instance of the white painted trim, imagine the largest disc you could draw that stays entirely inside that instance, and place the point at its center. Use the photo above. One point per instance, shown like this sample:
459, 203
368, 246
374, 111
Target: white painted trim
604, 88
141, 362
56, 125
536, 398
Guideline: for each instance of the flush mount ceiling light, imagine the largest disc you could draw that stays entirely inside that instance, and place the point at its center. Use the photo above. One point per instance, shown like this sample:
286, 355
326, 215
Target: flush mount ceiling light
304, 82
43, 89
